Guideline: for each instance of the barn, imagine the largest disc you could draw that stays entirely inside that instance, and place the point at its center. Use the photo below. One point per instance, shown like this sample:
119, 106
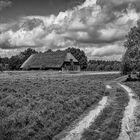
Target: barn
59, 60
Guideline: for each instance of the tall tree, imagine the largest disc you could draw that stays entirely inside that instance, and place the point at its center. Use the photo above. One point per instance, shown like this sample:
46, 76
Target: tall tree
133, 37
27, 53
131, 59
16, 61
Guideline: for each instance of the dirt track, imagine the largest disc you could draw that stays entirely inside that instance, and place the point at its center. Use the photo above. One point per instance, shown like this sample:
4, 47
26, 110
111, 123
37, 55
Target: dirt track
76, 133
129, 118
127, 121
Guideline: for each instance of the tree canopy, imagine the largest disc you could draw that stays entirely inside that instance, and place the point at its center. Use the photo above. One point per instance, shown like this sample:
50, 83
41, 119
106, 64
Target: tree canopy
100, 65
16, 61
131, 59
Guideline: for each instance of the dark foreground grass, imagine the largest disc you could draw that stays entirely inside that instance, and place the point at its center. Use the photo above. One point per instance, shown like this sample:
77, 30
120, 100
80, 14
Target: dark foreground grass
40, 108
39, 105
107, 125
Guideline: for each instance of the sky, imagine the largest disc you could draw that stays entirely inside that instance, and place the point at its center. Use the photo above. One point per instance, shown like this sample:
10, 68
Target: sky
98, 27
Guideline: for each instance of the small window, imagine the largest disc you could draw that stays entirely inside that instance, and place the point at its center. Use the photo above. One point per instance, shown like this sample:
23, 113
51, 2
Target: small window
71, 60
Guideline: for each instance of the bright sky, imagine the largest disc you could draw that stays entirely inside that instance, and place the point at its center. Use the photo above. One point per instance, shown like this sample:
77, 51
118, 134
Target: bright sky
97, 27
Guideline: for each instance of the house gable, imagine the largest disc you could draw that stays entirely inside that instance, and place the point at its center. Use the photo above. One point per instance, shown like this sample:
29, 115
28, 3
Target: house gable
70, 57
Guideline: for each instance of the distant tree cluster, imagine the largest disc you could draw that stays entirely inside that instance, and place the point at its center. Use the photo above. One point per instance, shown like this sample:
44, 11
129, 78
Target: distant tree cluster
100, 65
16, 61
131, 59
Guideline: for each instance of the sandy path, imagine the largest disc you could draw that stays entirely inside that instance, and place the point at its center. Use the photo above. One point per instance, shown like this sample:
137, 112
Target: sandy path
91, 73
77, 132
46, 74
128, 120
108, 87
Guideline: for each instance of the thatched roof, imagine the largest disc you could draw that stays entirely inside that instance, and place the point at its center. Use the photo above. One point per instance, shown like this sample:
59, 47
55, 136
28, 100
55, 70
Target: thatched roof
48, 60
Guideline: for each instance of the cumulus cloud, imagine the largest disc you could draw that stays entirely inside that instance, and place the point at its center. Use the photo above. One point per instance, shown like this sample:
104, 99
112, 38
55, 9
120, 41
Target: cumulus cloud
108, 50
100, 25
48, 32
4, 4
118, 5
20, 37
107, 23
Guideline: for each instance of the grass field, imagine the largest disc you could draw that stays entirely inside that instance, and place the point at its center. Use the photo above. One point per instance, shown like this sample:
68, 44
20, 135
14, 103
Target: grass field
107, 126
39, 105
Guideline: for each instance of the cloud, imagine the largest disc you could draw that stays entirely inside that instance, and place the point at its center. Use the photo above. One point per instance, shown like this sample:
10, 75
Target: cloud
107, 23
4, 4
100, 25
101, 36
118, 5
108, 50
20, 38
113, 51
48, 31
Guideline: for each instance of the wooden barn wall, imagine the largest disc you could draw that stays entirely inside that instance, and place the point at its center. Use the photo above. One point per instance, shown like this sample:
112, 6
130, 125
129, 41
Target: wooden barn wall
68, 67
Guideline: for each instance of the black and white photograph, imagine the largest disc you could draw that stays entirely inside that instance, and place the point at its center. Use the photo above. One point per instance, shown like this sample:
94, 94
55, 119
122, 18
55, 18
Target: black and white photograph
69, 69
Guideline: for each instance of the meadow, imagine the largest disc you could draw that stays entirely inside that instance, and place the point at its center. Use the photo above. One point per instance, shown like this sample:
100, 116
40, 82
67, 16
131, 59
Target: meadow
107, 125
39, 105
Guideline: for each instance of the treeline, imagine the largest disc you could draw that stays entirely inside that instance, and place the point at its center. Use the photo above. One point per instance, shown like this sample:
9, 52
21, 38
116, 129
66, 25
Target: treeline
100, 65
15, 62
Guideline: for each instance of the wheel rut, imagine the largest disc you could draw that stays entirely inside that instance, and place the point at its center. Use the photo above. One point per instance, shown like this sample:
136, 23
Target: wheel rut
76, 133
128, 121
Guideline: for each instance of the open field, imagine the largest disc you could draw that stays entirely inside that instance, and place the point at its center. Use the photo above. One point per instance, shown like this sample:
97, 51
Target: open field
55, 74
107, 125
39, 105
119, 119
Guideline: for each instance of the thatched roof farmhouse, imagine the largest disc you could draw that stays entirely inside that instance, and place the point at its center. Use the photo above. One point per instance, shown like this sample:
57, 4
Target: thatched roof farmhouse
59, 60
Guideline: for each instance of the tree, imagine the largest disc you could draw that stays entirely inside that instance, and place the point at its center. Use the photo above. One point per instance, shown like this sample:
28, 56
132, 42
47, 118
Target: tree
80, 56
49, 50
107, 68
15, 62
96, 65
26, 54
1, 67
131, 58
133, 37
